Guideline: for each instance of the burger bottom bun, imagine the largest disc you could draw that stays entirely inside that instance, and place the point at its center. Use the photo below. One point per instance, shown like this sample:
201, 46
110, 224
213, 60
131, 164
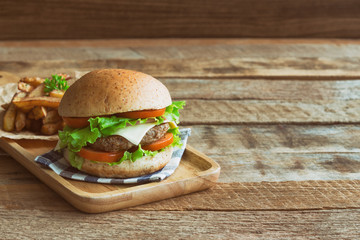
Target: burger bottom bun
126, 169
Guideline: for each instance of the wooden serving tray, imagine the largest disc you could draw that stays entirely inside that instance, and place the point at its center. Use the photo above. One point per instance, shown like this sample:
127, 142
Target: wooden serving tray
196, 172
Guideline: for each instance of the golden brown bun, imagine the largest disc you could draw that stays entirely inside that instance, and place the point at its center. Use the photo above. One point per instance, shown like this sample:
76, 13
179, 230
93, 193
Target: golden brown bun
110, 91
126, 169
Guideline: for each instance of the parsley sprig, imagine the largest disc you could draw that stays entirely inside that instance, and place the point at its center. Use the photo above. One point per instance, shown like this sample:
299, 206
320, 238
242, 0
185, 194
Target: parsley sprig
56, 82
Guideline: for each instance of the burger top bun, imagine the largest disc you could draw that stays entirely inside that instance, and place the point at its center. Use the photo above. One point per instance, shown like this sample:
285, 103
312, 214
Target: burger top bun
110, 91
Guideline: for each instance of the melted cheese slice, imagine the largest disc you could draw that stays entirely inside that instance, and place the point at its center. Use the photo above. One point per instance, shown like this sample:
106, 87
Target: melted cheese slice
135, 134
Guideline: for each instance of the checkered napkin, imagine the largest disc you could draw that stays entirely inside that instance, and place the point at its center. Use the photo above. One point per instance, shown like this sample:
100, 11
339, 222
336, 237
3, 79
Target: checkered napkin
58, 164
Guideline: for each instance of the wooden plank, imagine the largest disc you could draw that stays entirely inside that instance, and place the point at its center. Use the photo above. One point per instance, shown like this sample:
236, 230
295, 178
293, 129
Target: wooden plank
269, 112
328, 224
283, 68
261, 89
331, 44
21, 190
255, 153
258, 196
177, 49
258, 166
235, 18
186, 58
69, 53
224, 140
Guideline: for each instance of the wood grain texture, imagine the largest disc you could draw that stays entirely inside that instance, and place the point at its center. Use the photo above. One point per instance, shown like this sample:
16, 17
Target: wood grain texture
258, 166
278, 138
262, 89
177, 49
329, 224
224, 59
255, 153
286, 68
237, 18
172, 42
281, 160
22, 191
276, 111
267, 196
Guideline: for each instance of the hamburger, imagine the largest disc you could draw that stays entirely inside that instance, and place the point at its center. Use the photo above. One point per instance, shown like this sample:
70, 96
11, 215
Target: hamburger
118, 123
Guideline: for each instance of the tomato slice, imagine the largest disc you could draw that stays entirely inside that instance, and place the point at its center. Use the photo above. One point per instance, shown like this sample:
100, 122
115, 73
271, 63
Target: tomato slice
76, 122
142, 113
166, 140
100, 156
110, 157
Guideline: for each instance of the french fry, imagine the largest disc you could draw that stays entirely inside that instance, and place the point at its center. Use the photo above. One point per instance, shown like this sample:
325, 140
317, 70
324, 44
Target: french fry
51, 128
25, 103
57, 93
33, 109
38, 91
52, 116
5, 105
9, 118
21, 95
34, 81
28, 124
25, 87
35, 126
31, 115
39, 112
20, 120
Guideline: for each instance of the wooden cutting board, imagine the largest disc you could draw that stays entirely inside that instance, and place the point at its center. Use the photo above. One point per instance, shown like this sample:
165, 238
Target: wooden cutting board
196, 172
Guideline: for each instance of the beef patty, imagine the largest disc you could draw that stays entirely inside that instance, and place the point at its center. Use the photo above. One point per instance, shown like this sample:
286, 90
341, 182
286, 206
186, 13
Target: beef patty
117, 143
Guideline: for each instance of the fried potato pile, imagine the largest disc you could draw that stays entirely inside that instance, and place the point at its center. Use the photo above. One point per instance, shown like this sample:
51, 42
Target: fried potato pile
34, 107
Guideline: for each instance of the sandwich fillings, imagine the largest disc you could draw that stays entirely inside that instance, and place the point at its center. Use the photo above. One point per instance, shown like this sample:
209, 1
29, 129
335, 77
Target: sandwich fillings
107, 127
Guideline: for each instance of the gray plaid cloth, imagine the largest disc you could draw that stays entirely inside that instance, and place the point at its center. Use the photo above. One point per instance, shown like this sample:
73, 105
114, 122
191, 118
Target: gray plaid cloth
58, 164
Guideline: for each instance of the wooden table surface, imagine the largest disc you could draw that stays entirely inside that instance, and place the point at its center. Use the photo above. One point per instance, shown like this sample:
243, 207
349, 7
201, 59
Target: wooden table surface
281, 117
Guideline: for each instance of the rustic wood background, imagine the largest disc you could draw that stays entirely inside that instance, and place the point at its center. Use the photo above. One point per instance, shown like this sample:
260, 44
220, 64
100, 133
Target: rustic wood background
95, 19
281, 117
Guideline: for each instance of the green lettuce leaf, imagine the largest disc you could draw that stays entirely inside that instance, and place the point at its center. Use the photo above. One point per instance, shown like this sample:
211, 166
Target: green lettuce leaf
75, 160
177, 140
172, 111
76, 138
